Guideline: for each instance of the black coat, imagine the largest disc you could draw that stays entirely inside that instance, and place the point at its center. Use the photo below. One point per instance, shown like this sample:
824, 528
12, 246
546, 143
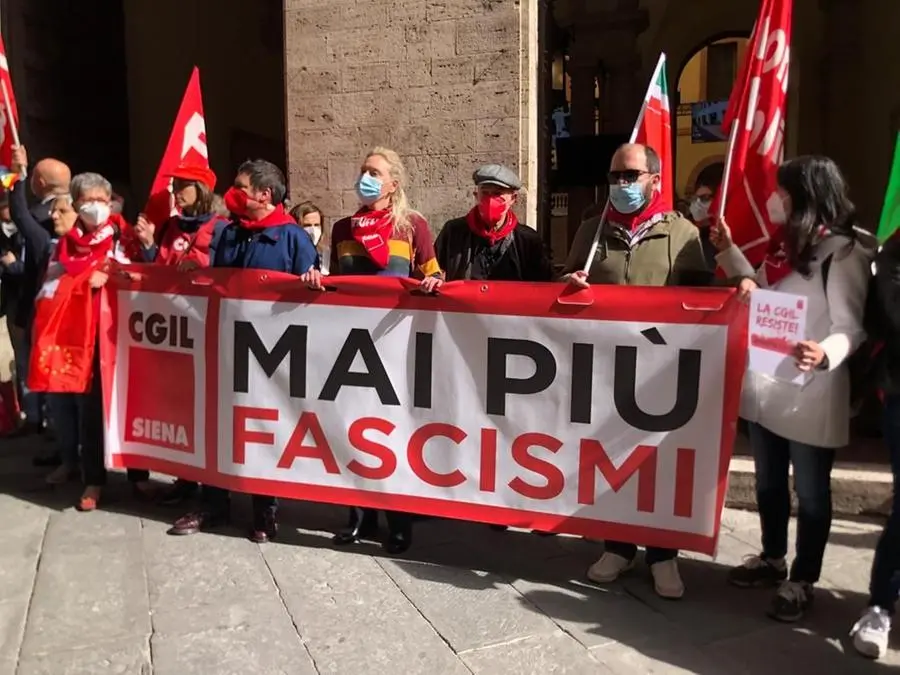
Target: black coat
462, 254
35, 226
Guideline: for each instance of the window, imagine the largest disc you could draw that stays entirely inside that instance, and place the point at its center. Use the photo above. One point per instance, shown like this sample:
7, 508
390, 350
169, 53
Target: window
721, 70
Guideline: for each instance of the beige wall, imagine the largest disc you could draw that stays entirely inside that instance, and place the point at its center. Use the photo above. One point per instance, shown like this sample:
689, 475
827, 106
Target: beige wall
240, 73
442, 83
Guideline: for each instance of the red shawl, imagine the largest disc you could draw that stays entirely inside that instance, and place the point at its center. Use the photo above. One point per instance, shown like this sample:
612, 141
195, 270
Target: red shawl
80, 249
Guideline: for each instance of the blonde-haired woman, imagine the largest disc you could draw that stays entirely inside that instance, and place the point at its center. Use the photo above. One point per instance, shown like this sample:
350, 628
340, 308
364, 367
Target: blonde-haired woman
386, 238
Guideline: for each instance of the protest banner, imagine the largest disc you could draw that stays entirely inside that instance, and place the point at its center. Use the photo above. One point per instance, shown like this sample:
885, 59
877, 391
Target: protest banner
777, 324
490, 402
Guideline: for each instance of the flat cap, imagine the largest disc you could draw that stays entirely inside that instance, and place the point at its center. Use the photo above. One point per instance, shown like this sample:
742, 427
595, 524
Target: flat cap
497, 174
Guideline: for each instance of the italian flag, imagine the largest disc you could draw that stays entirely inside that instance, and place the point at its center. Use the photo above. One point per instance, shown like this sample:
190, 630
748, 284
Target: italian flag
890, 213
654, 127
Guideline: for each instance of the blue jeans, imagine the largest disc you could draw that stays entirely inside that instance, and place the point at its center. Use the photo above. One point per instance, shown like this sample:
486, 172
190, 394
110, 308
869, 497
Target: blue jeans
32, 402
884, 587
773, 456
65, 410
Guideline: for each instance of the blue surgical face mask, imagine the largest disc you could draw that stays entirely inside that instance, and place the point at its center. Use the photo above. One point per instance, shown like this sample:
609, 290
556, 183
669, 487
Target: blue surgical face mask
628, 198
368, 189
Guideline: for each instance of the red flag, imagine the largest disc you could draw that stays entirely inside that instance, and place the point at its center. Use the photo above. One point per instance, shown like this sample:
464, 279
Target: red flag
757, 109
63, 348
187, 145
654, 128
9, 121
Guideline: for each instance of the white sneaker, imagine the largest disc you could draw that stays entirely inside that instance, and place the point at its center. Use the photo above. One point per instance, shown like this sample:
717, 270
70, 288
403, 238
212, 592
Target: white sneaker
870, 633
609, 568
667, 580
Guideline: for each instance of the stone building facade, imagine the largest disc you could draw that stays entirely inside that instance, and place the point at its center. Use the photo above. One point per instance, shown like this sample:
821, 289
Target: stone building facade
313, 84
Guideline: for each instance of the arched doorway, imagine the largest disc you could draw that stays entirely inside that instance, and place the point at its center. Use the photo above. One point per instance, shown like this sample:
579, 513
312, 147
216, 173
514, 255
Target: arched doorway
704, 84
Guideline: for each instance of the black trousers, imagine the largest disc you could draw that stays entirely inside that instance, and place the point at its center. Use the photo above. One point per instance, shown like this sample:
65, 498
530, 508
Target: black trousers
218, 500
398, 522
629, 551
93, 459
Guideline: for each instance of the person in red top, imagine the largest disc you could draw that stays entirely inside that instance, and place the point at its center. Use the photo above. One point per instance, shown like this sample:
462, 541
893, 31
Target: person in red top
188, 234
90, 244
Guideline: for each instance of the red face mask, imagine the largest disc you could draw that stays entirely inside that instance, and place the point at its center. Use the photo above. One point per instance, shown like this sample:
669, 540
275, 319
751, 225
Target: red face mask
236, 201
492, 208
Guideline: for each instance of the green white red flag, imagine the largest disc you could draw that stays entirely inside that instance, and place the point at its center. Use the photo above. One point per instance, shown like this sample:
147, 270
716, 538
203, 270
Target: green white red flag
654, 127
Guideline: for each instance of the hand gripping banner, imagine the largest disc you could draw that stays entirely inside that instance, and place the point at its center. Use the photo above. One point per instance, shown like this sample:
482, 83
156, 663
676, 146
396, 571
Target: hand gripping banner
490, 402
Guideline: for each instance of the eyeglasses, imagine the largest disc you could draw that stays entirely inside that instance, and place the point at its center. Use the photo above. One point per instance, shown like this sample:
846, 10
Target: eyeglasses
626, 176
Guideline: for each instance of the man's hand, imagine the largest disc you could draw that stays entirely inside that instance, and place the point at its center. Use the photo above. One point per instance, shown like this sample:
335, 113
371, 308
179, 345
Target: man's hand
579, 279
144, 230
7, 259
98, 279
313, 279
19, 159
188, 265
431, 284
720, 235
745, 288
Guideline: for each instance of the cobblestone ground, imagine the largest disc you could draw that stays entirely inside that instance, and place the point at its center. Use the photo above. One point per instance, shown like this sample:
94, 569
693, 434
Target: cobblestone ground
110, 592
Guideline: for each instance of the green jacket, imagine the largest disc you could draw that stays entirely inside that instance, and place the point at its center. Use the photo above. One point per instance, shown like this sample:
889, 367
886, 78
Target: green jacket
669, 253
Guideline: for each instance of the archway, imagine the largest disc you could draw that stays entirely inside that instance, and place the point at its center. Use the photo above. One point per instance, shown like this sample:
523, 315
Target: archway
704, 83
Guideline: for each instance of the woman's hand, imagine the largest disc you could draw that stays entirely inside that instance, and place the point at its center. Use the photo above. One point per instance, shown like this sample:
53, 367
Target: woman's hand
144, 231
431, 284
313, 279
98, 279
720, 235
188, 265
579, 279
809, 355
745, 288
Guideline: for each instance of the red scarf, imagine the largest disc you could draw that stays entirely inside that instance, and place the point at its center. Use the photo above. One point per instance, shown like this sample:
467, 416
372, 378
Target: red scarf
777, 264
373, 229
633, 221
236, 203
85, 248
489, 232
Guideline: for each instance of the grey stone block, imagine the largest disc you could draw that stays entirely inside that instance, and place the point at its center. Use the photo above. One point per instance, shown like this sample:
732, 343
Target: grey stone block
119, 657
553, 654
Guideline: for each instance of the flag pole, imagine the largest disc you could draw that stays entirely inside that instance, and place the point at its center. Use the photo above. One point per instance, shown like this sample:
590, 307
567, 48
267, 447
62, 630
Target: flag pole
726, 172
660, 64
12, 120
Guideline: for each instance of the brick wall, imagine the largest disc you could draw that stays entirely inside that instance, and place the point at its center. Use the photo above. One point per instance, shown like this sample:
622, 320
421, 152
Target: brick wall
437, 80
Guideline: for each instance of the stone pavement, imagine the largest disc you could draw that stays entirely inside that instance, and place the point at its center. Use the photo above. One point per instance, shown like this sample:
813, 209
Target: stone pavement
110, 592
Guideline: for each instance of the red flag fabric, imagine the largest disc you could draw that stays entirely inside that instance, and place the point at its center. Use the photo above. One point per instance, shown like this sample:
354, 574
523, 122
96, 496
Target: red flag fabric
654, 128
63, 338
187, 146
757, 107
9, 117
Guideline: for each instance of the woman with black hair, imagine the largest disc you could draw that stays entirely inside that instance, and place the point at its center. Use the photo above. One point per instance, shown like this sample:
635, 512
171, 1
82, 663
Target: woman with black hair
815, 254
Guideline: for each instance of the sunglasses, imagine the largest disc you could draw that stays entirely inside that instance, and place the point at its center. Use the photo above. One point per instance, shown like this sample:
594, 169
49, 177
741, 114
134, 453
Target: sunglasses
627, 176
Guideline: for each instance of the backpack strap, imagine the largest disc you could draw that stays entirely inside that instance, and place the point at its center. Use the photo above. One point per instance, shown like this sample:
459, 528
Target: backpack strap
825, 269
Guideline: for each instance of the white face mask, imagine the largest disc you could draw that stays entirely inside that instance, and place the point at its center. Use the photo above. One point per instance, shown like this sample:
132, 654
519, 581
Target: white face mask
315, 232
94, 214
9, 228
699, 210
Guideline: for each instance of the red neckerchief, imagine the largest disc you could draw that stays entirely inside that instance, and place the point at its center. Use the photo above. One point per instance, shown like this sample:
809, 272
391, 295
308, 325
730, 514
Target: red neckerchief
277, 217
373, 229
489, 232
82, 246
633, 221
777, 264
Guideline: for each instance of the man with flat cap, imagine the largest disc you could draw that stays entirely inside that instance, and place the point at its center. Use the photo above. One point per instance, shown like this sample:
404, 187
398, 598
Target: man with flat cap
489, 243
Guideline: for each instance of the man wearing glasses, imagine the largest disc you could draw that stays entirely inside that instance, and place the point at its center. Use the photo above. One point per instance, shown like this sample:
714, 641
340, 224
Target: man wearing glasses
641, 241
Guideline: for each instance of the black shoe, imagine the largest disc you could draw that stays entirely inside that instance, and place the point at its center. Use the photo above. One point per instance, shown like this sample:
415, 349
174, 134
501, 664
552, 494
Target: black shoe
363, 525
791, 601
47, 461
499, 528
178, 492
398, 542
542, 533
199, 521
265, 527
758, 572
